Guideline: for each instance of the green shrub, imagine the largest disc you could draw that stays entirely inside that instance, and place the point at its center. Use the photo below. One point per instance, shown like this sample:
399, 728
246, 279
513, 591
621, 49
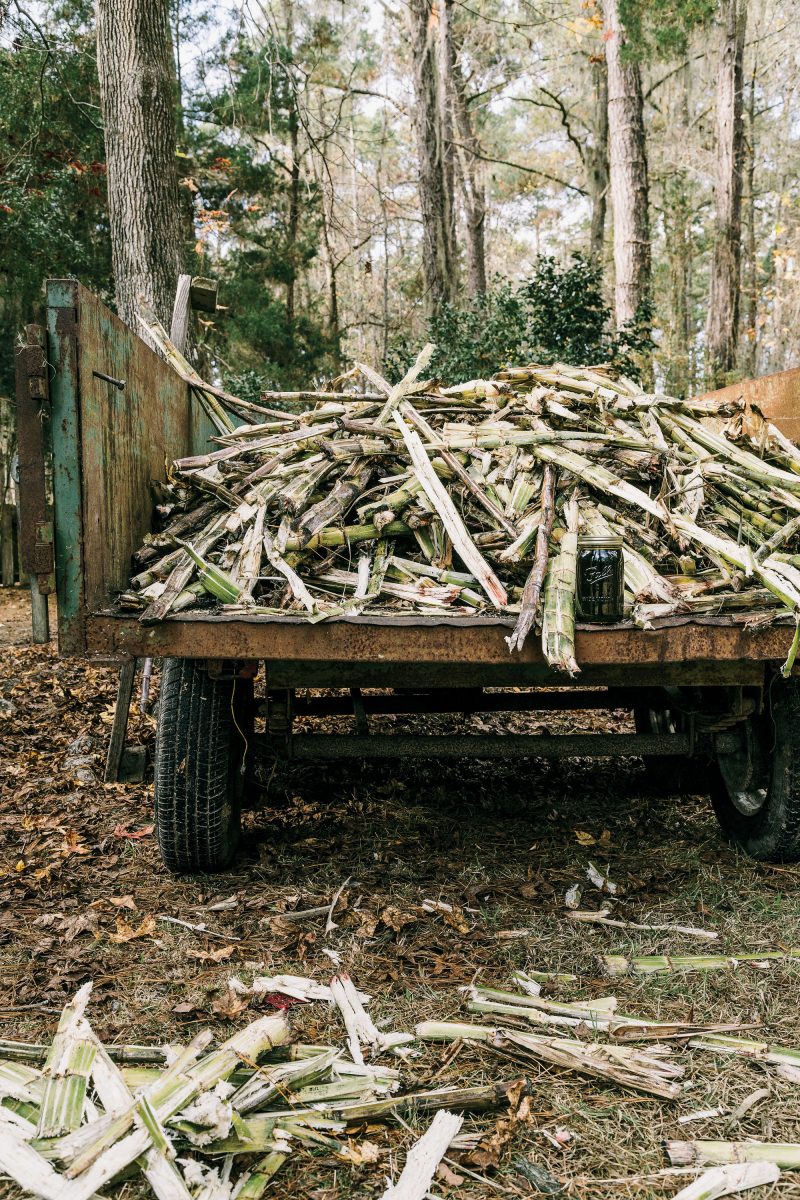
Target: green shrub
558, 315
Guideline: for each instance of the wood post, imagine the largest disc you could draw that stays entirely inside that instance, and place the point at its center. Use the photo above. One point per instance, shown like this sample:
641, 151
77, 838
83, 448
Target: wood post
40, 615
120, 726
7, 565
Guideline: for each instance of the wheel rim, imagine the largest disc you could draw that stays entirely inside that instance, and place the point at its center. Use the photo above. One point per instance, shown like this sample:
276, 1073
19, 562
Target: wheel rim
664, 720
743, 770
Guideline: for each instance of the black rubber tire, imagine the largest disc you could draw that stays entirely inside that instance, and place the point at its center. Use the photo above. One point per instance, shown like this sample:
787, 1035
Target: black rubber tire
768, 774
198, 760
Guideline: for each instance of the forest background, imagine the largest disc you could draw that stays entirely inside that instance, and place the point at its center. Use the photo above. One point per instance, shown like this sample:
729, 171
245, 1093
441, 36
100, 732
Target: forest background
590, 180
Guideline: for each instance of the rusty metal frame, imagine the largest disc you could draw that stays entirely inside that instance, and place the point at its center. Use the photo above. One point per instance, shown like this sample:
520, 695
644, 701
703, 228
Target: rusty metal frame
387, 652
471, 700
305, 747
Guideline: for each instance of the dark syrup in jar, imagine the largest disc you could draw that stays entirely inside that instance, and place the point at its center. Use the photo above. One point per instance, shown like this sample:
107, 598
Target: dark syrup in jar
601, 586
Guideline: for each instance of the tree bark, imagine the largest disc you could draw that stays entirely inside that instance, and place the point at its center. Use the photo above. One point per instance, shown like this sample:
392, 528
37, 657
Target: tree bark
751, 290
471, 168
597, 160
436, 201
627, 172
294, 216
679, 248
137, 93
722, 331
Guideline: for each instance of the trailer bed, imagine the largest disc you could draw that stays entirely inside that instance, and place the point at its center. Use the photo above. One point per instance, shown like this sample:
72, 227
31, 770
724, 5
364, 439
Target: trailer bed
703, 691
119, 414
460, 650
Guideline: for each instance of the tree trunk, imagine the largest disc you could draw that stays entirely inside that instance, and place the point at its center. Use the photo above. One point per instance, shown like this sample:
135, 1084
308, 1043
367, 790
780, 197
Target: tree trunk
294, 217
438, 251
470, 165
722, 333
137, 82
678, 238
750, 355
627, 173
597, 160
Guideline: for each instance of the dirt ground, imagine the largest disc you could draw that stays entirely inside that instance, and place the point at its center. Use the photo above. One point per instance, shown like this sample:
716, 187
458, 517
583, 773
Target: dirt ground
500, 843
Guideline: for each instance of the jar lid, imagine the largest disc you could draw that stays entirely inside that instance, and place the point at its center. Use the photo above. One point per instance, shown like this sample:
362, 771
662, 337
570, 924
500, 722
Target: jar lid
608, 541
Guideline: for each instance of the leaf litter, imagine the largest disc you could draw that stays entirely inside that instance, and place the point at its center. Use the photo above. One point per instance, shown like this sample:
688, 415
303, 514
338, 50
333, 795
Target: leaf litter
429, 851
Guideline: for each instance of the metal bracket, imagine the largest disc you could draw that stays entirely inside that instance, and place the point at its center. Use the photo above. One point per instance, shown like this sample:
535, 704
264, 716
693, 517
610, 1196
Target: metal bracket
246, 668
359, 712
280, 715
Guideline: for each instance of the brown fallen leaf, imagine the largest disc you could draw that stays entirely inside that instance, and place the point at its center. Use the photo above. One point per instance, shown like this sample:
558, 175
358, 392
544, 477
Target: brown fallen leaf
456, 920
231, 1004
362, 922
45, 919
361, 1153
71, 927
448, 1175
216, 956
394, 918
133, 835
115, 902
126, 932
490, 1148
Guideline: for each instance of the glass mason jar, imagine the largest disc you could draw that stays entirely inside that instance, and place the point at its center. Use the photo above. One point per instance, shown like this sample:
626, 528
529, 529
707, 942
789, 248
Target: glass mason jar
600, 587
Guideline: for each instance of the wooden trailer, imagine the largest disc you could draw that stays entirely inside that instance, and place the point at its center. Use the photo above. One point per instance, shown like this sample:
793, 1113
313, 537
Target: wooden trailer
112, 413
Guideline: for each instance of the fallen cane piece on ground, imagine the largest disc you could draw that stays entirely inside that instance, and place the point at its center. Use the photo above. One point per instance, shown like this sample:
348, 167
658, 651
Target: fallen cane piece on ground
424, 1157
724, 1181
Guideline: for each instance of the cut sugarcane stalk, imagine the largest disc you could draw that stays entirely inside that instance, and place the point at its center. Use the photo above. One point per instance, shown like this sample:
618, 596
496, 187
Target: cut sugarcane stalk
602, 918
270, 1082
22, 1163
66, 1071
635, 1071
464, 1099
256, 1184
529, 608
359, 1025
705, 1153
759, 1051
658, 964
725, 1181
453, 1031
424, 1157
558, 622
436, 493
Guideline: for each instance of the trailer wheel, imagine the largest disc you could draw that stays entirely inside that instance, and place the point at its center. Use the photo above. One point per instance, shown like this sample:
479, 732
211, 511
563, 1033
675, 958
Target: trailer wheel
203, 725
755, 788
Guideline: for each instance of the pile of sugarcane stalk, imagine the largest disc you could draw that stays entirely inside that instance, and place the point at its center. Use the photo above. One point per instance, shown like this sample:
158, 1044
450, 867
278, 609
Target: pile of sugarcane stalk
217, 1122
200, 1122
470, 500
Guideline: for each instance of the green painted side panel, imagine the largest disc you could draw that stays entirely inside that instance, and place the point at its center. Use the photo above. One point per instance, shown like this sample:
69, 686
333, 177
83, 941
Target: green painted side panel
109, 445
62, 355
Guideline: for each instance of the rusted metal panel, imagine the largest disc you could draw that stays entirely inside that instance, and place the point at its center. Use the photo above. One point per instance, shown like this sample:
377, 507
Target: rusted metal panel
356, 644
778, 397
119, 414
33, 438
127, 435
